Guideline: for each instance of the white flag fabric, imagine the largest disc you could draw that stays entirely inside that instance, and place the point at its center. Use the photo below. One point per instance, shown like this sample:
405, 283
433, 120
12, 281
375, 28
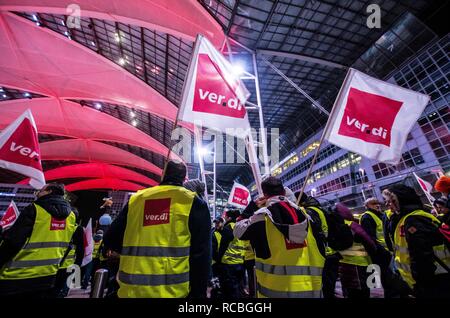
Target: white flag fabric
213, 96
425, 186
10, 217
19, 149
88, 244
373, 118
239, 196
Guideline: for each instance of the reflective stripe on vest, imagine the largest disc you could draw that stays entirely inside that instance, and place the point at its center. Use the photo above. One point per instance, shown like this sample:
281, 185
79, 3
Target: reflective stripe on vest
379, 228
356, 254
401, 252
300, 274
70, 258
249, 253
235, 251
95, 252
264, 292
154, 261
323, 220
44, 250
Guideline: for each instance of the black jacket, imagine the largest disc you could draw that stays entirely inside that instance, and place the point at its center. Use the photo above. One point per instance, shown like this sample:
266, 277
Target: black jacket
16, 237
421, 235
200, 249
256, 232
227, 237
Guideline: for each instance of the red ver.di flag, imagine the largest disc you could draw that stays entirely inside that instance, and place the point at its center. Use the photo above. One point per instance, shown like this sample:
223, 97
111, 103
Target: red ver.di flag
213, 95
10, 217
373, 118
239, 196
19, 149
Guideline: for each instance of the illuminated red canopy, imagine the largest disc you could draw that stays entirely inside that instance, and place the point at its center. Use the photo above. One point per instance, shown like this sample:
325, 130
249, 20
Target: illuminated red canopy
93, 151
95, 170
107, 183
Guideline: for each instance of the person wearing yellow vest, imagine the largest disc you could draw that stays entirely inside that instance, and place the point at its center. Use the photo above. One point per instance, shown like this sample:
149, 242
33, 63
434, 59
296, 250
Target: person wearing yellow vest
288, 260
231, 256
330, 270
355, 259
34, 246
163, 236
420, 253
373, 222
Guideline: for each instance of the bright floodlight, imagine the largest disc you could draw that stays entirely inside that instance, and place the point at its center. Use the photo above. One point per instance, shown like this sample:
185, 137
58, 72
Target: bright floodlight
238, 70
132, 114
134, 123
98, 105
203, 151
122, 61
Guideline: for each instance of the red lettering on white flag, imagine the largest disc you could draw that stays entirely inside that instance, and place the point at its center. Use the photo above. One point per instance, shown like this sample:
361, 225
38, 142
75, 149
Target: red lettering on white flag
10, 217
239, 196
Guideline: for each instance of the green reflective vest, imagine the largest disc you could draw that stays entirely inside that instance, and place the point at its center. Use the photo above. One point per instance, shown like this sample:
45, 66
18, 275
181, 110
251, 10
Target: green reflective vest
154, 262
292, 270
356, 254
43, 252
328, 250
401, 252
379, 228
235, 252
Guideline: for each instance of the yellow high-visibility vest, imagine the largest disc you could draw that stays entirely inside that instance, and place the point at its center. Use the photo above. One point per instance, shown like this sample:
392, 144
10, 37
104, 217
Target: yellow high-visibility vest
249, 254
290, 271
235, 251
323, 220
356, 254
154, 261
43, 252
218, 237
96, 252
401, 252
70, 259
379, 228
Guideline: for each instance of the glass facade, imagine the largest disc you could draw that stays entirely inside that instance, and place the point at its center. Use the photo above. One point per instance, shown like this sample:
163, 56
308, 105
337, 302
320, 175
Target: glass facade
340, 175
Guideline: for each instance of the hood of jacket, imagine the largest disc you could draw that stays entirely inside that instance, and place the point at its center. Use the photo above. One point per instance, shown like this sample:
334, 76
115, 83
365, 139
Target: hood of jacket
295, 233
407, 198
55, 205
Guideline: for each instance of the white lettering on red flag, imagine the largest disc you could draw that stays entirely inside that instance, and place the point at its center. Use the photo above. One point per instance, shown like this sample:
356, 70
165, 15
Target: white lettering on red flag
213, 95
373, 118
10, 217
19, 149
239, 196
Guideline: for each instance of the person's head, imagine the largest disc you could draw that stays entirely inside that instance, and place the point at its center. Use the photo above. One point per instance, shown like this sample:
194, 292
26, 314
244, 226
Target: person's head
373, 204
174, 172
441, 206
232, 215
195, 185
50, 188
272, 186
218, 223
443, 185
399, 197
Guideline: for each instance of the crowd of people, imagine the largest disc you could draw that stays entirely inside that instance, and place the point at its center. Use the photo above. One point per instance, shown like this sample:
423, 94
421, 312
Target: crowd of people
282, 245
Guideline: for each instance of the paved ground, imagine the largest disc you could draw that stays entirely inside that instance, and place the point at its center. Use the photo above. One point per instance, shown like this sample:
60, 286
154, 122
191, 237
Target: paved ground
84, 293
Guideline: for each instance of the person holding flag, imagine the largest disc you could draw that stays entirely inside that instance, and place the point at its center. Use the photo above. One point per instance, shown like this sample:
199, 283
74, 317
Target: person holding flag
35, 245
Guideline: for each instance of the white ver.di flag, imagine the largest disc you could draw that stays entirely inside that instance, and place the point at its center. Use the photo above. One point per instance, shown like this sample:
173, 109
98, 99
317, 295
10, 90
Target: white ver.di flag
10, 217
213, 96
239, 196
373, 118
19, 149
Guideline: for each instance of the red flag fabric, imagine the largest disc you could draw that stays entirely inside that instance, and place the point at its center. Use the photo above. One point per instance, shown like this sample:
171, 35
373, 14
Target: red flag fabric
213, 94
239, 196
373, 118
88, 244
10, 217
19, 149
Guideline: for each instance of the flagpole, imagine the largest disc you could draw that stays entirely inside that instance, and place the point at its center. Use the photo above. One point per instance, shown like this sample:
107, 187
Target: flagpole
187, 79
325, 130
253, 160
